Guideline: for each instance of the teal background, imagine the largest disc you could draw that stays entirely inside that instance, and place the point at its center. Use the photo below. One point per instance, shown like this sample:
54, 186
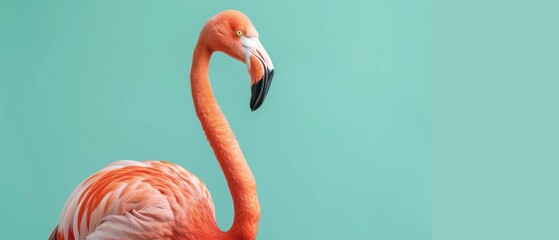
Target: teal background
341, 149
496, 115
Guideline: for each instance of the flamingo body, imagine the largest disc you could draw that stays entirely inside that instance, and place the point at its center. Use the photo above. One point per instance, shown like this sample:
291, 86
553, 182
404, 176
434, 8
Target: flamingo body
139, 200
159, 200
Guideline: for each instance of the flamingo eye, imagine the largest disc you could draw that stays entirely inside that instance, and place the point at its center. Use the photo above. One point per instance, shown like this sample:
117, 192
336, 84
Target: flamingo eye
239, 33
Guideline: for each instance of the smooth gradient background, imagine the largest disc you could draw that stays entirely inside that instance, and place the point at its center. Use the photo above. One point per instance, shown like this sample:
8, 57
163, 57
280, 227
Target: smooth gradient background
496, 120
341, 149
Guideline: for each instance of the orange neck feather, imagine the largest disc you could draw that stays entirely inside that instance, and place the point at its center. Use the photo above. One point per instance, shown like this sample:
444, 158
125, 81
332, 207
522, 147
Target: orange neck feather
226, 149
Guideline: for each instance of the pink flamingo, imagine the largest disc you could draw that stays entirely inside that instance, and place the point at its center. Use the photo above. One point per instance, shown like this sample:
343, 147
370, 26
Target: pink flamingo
161, 200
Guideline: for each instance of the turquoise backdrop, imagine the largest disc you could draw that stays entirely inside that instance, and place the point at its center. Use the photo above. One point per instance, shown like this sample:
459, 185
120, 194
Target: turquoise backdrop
496, 120
341, 149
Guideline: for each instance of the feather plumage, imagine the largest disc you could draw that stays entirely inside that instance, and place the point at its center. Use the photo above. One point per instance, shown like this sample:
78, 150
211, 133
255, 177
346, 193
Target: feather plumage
137, 200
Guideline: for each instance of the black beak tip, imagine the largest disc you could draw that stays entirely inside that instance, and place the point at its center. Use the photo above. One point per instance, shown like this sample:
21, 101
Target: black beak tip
257, 97
260, 90
253, 107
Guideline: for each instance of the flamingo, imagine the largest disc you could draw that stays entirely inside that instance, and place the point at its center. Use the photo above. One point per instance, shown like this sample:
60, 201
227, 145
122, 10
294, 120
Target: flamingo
160, 200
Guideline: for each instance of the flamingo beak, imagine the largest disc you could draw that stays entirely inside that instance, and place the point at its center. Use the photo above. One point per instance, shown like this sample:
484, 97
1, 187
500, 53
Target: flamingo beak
256, 54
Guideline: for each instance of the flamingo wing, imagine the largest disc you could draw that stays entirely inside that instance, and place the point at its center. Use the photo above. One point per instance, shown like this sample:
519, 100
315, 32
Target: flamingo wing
136, 200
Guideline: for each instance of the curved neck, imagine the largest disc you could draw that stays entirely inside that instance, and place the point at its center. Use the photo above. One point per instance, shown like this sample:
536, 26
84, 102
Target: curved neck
226, 149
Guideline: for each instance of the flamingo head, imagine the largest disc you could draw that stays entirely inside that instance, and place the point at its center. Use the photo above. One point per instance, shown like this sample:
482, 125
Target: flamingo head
232, 32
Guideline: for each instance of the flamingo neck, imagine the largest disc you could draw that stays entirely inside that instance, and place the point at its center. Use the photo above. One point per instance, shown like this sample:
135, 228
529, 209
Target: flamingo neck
226, 149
